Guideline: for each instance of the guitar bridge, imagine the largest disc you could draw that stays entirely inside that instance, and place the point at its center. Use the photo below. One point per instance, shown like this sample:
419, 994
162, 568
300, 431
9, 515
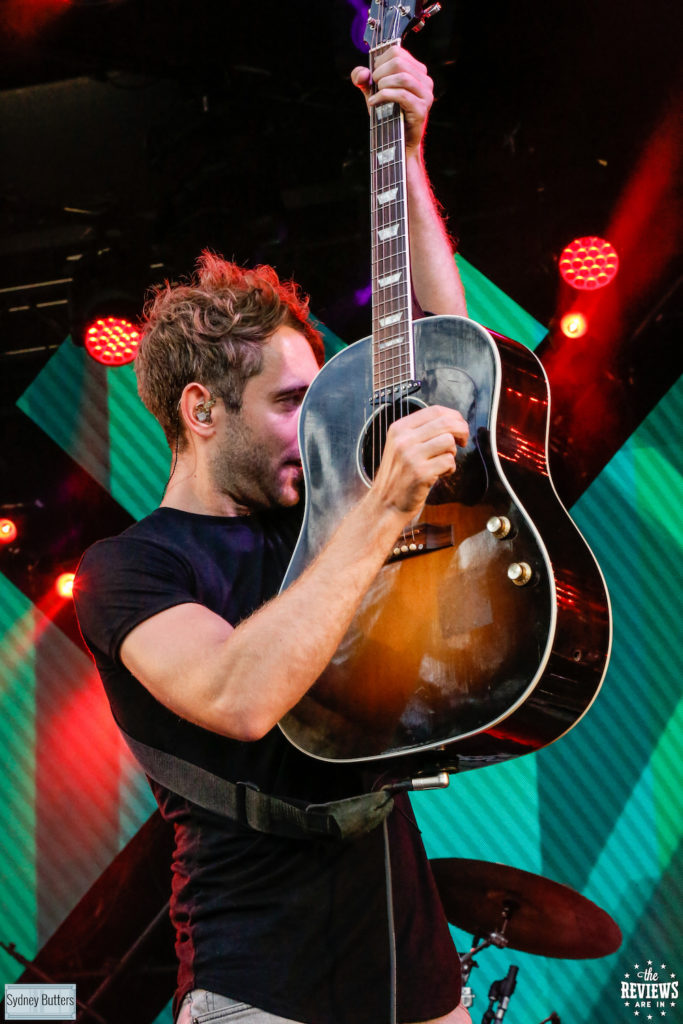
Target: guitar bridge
420, 540
394, 392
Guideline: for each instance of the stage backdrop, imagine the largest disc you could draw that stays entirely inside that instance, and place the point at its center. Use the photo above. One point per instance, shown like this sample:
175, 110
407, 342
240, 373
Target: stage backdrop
599, 811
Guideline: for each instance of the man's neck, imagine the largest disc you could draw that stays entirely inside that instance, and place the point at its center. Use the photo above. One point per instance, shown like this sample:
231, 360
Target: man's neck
189, 490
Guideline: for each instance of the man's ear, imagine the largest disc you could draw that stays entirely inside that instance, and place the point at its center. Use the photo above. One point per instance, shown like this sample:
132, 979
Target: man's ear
196, 403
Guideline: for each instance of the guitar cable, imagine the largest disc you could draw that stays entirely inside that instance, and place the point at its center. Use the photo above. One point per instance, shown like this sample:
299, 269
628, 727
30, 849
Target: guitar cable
408, 784
390, 924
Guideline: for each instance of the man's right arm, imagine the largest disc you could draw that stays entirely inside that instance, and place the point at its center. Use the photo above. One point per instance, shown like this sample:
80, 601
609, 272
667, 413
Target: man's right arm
239, 682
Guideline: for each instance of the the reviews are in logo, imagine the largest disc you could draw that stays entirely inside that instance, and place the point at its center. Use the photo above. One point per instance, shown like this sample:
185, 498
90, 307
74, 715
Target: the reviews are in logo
650, 990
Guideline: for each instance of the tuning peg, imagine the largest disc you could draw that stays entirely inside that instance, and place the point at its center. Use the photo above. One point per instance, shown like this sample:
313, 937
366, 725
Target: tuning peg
426, 15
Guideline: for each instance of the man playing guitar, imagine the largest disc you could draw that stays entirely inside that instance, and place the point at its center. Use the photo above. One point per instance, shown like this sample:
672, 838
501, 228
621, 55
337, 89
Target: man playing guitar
201, 659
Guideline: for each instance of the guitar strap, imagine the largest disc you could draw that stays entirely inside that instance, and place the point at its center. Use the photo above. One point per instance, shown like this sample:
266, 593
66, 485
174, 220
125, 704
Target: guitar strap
245, 803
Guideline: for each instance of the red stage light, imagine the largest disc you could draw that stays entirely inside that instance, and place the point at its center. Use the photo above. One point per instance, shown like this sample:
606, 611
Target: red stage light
64, 584
8, 531
112, 341
573, 325
589, 263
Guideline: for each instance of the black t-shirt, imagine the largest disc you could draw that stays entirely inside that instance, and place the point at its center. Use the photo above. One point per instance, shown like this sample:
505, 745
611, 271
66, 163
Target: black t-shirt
295, 927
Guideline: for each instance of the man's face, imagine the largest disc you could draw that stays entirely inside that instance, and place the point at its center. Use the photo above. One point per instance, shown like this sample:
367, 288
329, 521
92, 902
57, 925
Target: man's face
256, 461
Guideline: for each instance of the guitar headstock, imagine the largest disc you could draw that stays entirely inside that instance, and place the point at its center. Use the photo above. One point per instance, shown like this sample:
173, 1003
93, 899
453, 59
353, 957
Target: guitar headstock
389, 20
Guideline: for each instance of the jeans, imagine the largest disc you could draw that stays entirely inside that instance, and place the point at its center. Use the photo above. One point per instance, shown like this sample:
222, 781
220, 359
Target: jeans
202, 1007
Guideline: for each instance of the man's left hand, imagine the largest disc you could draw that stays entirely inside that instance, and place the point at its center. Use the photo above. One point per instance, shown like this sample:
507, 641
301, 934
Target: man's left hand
402, 79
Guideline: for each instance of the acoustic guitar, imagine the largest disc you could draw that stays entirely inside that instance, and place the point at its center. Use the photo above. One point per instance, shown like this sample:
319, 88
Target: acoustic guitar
487, 632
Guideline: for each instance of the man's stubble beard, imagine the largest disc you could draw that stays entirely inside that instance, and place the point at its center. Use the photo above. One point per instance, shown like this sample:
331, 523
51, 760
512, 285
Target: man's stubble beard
241, 470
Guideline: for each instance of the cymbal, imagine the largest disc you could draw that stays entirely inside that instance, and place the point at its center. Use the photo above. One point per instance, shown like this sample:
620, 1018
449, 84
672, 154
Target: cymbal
544, 917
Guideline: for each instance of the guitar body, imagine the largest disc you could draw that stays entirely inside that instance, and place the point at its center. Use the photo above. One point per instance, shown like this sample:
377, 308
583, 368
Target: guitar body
448, 663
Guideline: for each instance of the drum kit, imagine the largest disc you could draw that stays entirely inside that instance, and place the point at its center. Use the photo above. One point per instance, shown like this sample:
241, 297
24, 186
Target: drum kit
503, 907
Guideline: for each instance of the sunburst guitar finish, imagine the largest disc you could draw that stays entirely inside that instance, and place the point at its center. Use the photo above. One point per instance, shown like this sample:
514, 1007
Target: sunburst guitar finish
486, 634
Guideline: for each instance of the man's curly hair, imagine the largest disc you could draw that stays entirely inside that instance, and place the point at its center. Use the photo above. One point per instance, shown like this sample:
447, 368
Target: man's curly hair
212, 330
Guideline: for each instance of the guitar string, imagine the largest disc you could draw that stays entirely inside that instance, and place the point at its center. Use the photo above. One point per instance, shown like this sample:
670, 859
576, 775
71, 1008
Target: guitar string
406, 280
390, 363
379, 132
392, 367
380, 182
375, 341
397, 362
396, 295
404, 400
375, 242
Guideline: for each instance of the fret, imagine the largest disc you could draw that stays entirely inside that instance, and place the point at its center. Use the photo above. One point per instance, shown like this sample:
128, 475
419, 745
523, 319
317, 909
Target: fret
389, 232
386, 155
393, 357
385, 110
387, 276
387, 250
387, 312
385, 271
390, 318
387, 253
391, 331
392, 348
386, 282
396, 295
387, 197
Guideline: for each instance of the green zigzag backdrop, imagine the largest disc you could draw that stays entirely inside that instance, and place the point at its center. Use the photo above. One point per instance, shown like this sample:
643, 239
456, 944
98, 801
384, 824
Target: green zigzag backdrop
599, 811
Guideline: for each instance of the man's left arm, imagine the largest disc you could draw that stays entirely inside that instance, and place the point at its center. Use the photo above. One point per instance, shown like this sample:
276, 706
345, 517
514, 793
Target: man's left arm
402, 79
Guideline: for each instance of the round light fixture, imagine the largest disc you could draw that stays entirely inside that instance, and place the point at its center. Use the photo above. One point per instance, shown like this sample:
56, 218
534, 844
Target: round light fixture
573, 325
64, 584
112, 341
589, 263
8, 531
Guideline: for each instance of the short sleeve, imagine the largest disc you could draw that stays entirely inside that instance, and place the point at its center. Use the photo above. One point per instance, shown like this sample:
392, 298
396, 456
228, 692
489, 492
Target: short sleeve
122, 581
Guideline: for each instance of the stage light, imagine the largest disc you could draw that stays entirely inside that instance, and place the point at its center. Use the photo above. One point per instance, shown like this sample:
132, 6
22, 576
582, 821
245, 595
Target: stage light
573, 325
112, 340
360, 24
8, 531
64, 584
589, 263
106, 296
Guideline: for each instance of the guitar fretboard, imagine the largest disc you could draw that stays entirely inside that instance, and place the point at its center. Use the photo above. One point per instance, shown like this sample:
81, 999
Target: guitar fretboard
392, 342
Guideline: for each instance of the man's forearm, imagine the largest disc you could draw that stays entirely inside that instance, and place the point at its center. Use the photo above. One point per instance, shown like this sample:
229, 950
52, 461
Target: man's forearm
400, 78
435, 276
272, 658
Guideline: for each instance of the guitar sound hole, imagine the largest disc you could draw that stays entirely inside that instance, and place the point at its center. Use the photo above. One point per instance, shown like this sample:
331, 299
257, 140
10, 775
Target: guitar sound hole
374, 436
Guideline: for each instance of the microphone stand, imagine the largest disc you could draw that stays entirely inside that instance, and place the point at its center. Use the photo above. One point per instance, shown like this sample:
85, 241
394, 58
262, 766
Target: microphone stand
500, 992
467, 961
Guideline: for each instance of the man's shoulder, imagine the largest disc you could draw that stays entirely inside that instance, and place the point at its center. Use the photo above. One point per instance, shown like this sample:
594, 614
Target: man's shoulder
152, 533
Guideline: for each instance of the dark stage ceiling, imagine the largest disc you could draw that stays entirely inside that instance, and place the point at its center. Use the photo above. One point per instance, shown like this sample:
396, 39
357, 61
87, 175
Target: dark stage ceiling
152, 128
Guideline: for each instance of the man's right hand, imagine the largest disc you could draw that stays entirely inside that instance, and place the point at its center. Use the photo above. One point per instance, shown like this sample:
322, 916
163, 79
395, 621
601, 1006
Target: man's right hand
420, 448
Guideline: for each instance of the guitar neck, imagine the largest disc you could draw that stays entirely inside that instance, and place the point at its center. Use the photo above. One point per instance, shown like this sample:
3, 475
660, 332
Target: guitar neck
392, 340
